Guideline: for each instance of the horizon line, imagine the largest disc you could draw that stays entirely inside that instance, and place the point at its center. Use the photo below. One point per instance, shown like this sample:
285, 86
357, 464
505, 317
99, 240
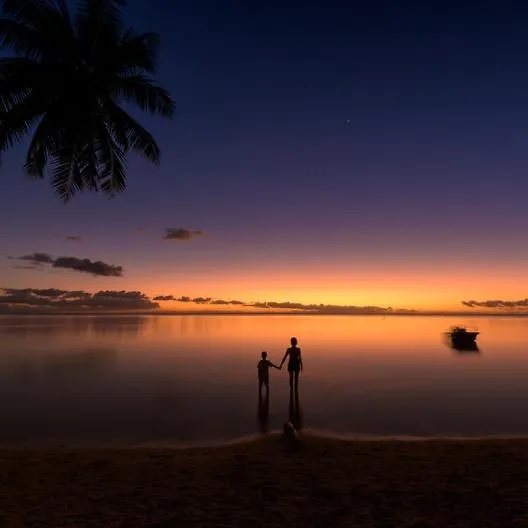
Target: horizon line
157, 312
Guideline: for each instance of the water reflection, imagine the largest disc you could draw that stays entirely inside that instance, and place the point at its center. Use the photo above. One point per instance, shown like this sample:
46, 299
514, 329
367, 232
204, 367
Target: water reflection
263, 411
295, 410
141, 378
55, 366
49, 326
469, 348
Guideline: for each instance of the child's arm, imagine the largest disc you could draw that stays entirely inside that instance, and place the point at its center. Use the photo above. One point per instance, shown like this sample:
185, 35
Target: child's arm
300, 359
275, 366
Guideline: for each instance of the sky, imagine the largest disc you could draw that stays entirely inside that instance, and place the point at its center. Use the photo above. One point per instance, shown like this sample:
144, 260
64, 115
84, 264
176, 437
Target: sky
341, 153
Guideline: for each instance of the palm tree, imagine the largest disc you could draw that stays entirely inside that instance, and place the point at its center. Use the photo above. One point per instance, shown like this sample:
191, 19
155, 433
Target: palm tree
65, 84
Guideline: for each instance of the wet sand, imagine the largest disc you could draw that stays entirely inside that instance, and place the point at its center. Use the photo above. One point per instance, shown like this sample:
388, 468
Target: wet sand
266, 483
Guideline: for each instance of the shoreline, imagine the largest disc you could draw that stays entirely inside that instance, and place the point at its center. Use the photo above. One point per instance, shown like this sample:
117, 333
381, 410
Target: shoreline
309, 434
265, 483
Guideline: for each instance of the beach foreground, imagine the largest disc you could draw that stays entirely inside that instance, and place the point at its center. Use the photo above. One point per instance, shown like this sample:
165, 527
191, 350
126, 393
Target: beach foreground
264, 483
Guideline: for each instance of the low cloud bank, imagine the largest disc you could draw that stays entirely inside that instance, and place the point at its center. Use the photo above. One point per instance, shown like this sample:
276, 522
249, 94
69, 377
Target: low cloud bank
500, 304
16, 299
55, 299
291, 306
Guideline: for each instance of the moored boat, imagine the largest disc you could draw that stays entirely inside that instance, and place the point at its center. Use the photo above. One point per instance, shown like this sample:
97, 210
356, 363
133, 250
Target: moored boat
460, 335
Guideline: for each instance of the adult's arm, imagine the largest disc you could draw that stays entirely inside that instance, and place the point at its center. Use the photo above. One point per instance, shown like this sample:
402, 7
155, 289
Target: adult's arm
284, 358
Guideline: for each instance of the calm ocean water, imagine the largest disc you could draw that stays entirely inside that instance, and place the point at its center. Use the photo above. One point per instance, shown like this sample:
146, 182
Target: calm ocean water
135, 379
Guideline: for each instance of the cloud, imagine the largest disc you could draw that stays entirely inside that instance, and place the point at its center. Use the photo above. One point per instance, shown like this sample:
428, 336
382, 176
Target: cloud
181, 234
55, 299
26, 267
164, 298
523, 303
97, 267
73, 238
49, 299
88, 266
290, 306
36, 258
201, 300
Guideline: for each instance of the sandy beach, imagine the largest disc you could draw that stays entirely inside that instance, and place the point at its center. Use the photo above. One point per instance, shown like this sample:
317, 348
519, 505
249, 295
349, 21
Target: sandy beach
264, 483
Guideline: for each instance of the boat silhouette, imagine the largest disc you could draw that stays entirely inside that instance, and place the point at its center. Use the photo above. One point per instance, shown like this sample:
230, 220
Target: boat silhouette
462, 338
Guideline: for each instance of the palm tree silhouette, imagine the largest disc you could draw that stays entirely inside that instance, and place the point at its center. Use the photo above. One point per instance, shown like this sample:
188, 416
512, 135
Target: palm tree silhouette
65, 82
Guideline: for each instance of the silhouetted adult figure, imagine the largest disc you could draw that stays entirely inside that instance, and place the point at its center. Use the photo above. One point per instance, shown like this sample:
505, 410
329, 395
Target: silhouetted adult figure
295, 364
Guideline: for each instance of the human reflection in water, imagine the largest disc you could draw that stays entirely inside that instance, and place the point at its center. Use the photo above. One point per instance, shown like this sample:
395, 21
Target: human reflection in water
295, 414
263, 412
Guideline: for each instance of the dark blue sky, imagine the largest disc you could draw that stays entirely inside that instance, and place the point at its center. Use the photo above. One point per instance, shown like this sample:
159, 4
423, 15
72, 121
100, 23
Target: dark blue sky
319, 138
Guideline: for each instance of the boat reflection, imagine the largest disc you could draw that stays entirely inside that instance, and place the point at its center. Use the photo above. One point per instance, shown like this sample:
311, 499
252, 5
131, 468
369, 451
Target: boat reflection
469, 347
462, 348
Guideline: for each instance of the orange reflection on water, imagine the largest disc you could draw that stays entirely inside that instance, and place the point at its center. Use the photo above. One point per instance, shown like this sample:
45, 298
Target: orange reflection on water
195, 376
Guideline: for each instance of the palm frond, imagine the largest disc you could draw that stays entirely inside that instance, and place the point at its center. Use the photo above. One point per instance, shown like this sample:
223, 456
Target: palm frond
106, 10
95, 18
23, 40
130, 134
142, 91
32, 13
18, 120
137, 53
45, 141
111, 158
66, 179
17, 76
38, 26
16, 67
89, 166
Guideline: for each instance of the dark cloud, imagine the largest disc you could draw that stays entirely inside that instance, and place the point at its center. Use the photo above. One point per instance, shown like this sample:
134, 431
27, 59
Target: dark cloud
37, 258
201, 300
20, 299
88, 266
290, 306
74, 238
93, 267
181, 234
224, 302
121, 299
55, 299
523, 303
327, 308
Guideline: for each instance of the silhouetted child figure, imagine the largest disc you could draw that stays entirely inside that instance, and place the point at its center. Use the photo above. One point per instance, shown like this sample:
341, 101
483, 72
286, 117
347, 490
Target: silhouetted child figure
263, 371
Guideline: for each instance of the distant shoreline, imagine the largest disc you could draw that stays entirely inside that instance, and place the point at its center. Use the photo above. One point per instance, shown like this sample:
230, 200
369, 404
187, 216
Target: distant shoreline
165, 313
